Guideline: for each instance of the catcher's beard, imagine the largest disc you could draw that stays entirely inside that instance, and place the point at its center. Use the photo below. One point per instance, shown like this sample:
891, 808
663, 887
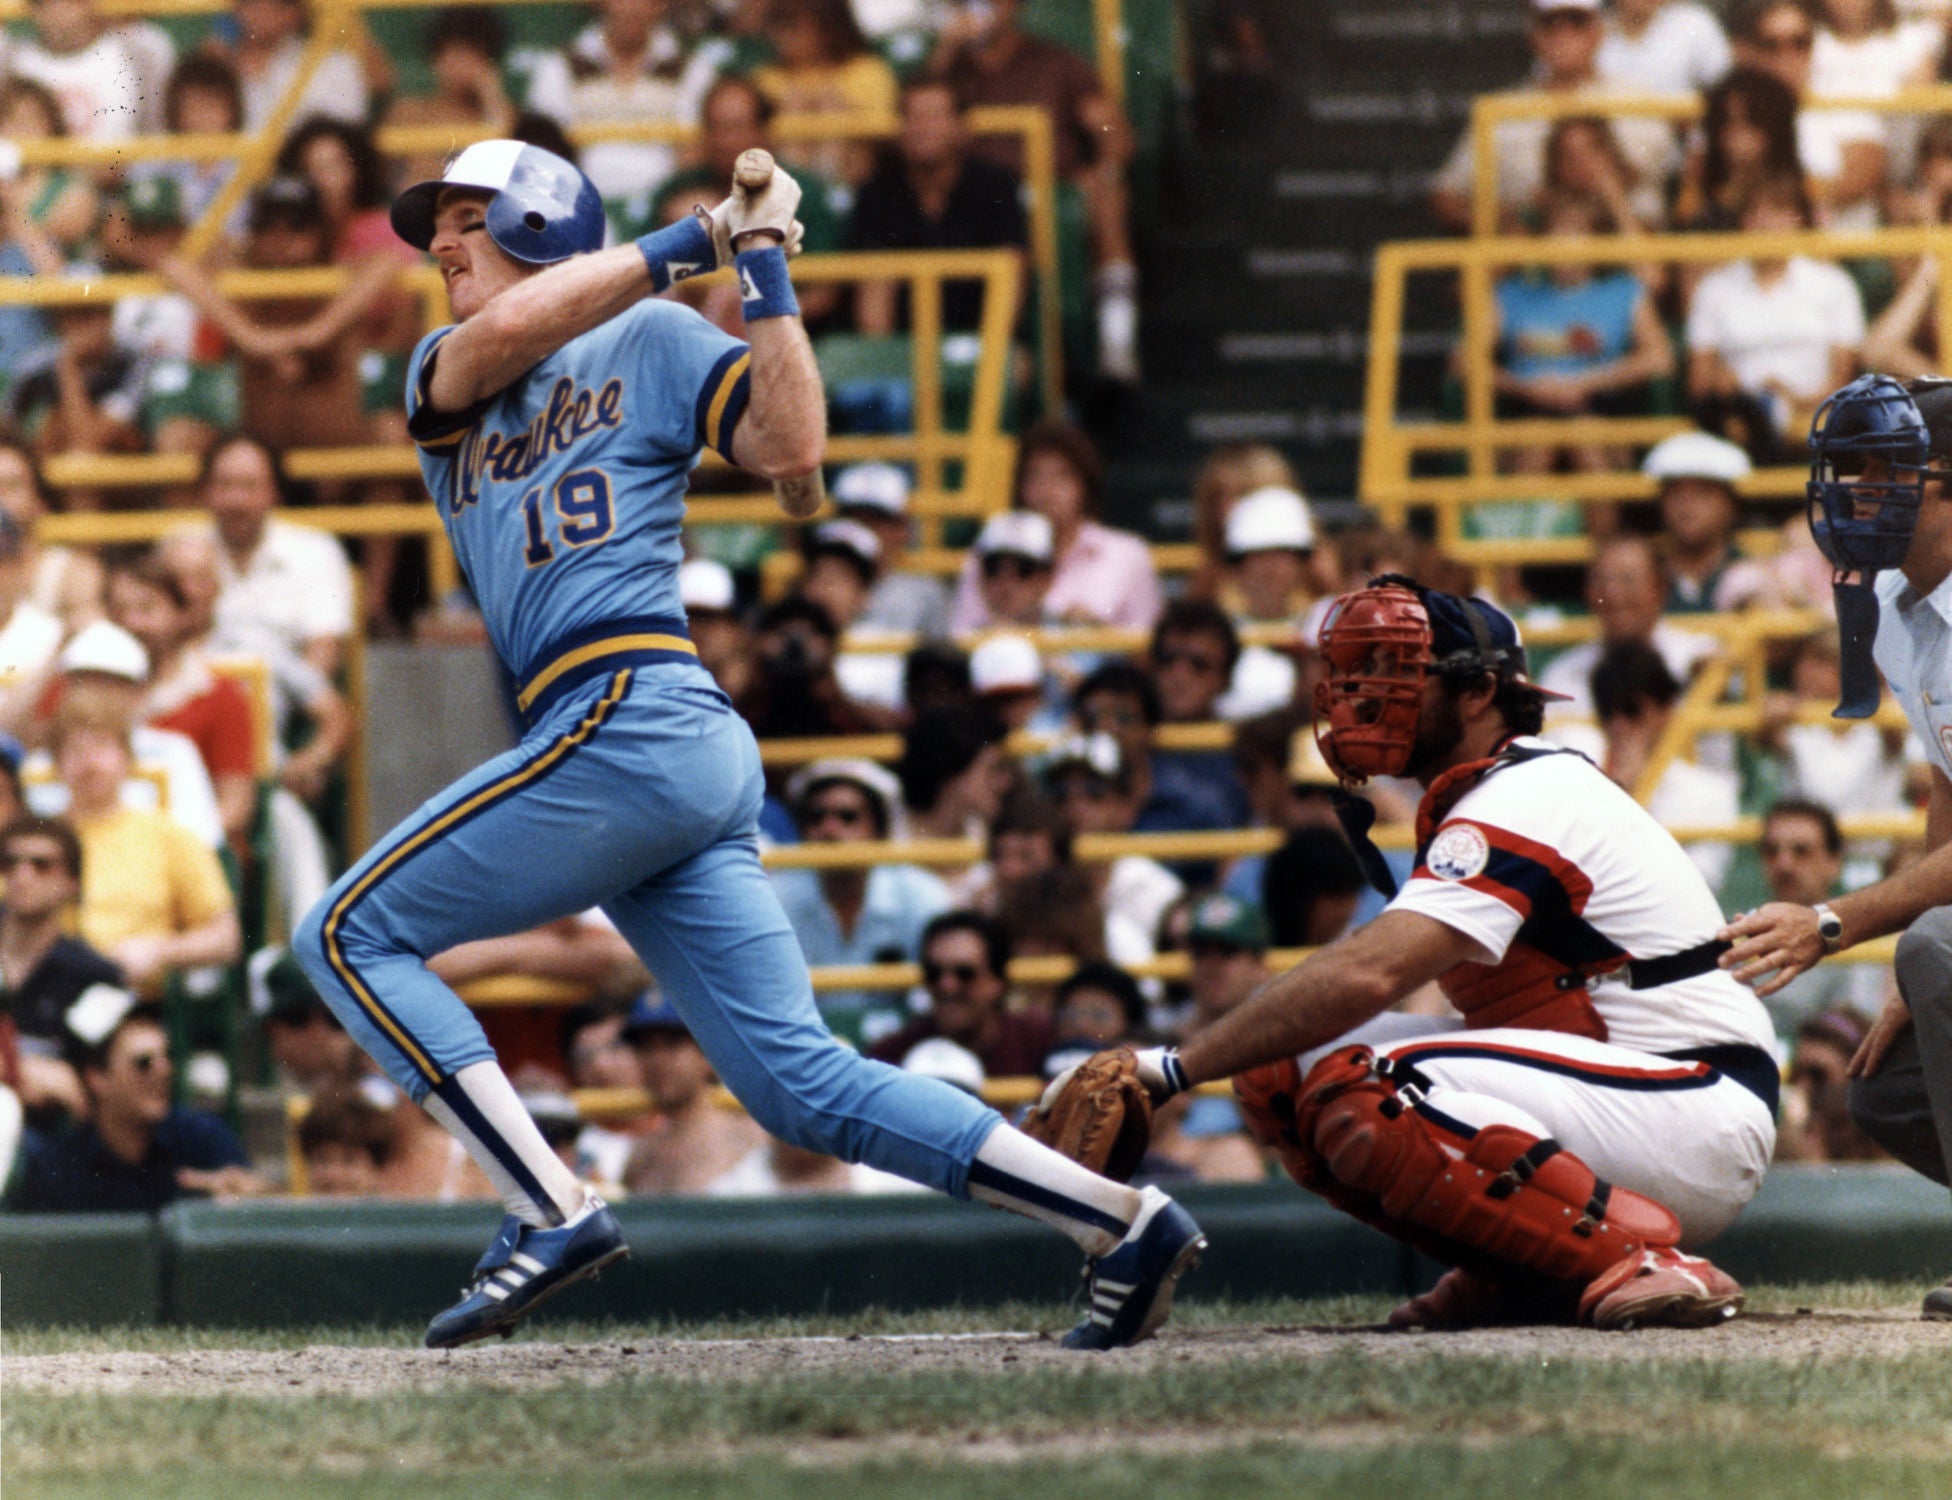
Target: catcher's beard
1440, 730
1012, 1171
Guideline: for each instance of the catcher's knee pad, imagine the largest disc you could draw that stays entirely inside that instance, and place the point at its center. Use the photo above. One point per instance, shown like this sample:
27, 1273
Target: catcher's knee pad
1496, 1194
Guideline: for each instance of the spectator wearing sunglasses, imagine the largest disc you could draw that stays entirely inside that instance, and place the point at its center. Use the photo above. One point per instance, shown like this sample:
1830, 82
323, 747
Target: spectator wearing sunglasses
872, 915
137, 1152
1195, 654
1011, 574
965, 970
42, 970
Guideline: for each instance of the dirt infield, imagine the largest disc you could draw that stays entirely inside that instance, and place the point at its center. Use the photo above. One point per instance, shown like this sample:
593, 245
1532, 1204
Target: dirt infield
1781, 1338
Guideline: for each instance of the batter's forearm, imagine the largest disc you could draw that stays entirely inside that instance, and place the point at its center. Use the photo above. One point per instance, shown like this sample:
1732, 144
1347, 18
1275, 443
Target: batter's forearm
531, 320
784, 431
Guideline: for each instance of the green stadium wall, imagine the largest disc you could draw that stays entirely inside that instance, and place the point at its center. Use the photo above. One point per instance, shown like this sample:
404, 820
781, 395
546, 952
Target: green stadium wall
268, 1265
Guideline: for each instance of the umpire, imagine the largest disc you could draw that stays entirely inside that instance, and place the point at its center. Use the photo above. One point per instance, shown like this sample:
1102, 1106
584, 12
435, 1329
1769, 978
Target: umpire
1881, 512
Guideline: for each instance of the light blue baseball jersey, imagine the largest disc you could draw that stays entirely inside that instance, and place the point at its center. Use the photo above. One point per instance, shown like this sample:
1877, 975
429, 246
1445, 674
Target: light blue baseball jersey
563, 494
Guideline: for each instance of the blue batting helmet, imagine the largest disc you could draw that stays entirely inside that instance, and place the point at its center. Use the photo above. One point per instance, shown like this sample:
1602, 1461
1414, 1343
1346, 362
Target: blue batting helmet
1864, 521
543, 209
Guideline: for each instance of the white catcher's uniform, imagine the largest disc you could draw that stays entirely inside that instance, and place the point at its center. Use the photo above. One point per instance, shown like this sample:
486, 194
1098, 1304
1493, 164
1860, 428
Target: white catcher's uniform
1558, 874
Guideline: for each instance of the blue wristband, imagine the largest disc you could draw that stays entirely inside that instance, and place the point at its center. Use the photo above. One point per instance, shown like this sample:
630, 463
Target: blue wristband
764, 284
677, 251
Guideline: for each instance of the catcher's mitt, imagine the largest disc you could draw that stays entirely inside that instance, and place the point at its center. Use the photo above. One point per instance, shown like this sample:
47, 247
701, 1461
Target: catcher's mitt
1099, 1115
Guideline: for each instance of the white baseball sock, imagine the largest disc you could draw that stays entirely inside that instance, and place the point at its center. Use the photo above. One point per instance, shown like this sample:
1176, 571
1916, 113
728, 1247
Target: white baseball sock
479, 1107
1012, 1171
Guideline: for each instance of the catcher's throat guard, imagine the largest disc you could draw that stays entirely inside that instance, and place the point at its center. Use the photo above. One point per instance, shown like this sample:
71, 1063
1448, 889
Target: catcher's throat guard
1871, 450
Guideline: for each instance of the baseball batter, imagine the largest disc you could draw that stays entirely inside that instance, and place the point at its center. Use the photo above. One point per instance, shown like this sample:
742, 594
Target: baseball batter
557, 420
1608, 1096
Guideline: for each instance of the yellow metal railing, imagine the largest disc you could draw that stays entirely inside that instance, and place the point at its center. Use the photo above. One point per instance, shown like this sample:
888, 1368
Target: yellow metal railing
256, 153
982, 451
1390, 445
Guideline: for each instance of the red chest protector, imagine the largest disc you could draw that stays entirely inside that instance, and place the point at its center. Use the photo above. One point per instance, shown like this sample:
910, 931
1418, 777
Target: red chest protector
1543, 988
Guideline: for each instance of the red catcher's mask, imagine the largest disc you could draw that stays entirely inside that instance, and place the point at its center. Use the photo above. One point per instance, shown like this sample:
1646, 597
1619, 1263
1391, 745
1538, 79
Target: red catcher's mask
1377, 643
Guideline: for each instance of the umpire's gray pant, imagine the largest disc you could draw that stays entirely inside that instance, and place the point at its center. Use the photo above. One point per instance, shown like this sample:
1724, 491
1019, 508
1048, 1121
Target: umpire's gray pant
1906, 1106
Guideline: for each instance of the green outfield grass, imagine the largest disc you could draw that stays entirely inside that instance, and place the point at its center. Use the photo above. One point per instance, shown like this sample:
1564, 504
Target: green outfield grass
1350, 1424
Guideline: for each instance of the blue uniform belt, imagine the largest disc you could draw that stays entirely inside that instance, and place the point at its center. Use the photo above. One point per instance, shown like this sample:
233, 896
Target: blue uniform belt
567, 665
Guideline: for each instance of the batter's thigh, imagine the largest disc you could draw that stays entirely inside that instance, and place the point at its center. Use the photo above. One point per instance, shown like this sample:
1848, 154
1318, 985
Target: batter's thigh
1681, 1133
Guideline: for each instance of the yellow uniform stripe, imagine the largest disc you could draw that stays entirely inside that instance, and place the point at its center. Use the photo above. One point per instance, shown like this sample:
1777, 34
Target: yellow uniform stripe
443, 442
715, 414
570, 660
512, 782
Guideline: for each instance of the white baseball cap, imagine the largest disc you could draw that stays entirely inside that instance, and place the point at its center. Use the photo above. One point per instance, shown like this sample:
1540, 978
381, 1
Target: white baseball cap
707, 585
1097, 753
108, 649
950, 1062
1696, 455
1022, 533
1271, 519
877, 781
847, 536
1006, 664
93, 1017
875, 486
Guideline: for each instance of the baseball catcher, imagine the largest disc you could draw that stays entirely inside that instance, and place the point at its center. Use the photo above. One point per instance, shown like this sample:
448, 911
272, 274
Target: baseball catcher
1608, 1097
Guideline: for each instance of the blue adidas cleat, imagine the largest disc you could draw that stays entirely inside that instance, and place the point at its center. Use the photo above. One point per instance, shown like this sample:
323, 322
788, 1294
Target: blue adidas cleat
1131, 1290
524, 1267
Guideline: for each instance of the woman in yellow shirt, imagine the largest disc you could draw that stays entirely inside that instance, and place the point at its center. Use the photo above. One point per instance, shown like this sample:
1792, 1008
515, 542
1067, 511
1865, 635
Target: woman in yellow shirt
826, 67
153, 896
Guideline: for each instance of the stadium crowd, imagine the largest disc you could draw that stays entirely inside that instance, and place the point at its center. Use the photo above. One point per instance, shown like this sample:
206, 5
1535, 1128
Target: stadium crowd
176, 724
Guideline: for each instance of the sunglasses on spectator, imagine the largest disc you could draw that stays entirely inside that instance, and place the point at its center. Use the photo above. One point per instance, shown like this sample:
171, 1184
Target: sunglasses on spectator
961, 973
1001, 564
148, 1062
40, 864
1799, 41
1198, 661
834, 812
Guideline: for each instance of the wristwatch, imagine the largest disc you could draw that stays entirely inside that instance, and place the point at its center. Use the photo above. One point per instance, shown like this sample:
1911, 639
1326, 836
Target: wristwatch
1829, 927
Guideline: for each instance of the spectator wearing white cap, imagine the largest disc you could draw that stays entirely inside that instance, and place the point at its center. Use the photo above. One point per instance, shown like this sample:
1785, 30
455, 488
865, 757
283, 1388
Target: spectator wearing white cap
1099, 575
1011, 565
843, 564
1007, 674
1270, 540
102, 663
876, 495
855, 915
153, 896
717, 629
1697, 473
1270, 577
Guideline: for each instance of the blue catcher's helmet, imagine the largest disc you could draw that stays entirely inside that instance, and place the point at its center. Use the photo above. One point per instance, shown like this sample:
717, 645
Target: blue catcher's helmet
543, 210
1864, 521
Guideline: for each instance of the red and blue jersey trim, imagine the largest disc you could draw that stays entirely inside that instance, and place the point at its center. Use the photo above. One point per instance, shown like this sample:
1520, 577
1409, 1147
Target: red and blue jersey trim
1548, 891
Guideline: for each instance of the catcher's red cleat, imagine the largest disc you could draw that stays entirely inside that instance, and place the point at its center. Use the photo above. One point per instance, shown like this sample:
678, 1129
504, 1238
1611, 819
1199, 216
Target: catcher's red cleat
1660, 1288
1460, 1299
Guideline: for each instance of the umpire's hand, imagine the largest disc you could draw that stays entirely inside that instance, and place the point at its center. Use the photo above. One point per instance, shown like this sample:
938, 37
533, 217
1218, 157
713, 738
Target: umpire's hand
1771, 945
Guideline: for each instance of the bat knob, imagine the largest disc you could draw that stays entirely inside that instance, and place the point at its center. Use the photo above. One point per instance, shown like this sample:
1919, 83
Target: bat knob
754, 169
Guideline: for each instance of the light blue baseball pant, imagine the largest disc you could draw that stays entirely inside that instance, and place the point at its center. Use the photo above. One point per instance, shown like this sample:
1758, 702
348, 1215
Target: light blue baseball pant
638, 792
